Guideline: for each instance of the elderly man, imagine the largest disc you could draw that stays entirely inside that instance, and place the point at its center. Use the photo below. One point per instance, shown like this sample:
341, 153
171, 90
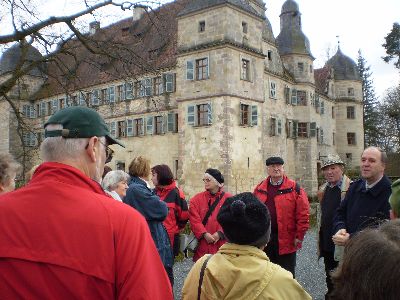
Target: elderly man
330, 195
62, 237
367, 200
203, 211
289, 208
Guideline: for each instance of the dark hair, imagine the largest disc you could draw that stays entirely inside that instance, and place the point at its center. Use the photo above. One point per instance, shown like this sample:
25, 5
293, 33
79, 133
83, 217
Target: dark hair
164, 174
106, 170
370, 266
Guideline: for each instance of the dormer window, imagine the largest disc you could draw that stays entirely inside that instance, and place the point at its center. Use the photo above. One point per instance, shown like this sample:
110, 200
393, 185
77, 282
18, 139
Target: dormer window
269, 55
350, 92
202, 26
244, 27
300, 66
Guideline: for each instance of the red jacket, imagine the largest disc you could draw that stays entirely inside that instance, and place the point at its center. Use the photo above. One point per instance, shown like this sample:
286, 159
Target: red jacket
178, 214
292, 210
198, 207
62, 237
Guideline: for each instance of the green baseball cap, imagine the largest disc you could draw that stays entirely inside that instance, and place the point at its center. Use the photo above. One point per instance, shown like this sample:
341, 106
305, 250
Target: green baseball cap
79, 122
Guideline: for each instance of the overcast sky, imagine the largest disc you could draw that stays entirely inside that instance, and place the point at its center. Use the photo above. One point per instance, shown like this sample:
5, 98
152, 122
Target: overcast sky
360, 24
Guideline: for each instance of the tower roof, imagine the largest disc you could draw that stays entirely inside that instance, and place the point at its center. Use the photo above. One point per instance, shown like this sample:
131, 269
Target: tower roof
289, 6
12, 57
196, 5
344, 67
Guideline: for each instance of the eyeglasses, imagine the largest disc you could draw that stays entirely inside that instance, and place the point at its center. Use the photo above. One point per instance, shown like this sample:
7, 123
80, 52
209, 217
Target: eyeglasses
206, 179
109, 151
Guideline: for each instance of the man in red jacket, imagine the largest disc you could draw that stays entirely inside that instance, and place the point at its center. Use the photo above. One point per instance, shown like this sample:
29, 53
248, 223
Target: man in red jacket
209, 232
62, 237
289, 208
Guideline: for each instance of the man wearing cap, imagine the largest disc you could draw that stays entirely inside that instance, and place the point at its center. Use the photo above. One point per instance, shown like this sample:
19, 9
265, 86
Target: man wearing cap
289, 208
62, 237
241, 269
366, 203
330, 195
203, 211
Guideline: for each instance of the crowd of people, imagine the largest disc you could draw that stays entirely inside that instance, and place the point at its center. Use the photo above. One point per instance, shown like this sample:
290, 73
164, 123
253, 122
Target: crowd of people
81, 230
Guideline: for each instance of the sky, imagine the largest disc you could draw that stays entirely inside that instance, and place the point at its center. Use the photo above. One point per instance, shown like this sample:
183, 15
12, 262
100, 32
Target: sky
359, 24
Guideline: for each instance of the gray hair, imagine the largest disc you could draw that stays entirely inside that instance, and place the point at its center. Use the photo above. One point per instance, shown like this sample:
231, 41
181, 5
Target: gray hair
112, 178
60, 149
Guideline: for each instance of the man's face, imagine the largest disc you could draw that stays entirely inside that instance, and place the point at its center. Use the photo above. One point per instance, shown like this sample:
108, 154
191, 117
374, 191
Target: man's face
275, 171
372, 167
333, 173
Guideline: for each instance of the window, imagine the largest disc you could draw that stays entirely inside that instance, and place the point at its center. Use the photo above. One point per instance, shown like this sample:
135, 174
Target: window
140, 88
147, 86
279, 129
120, 93
54, 106
333, 112
300, 66
244, 27
82, 99
302, 130
351, 112
313, 129
349, 157
158, 122
301, 98
172, 122
294, 97
113, 129
199, 115
322, 108
269, 55
158, 86
61, 103
169, 81
28, 111
138, 128
29, 139
121, 129
111, 94
272, 89
43, 109
129, 127
321, 136
351, 138
95, 98
149, 125
189, 70
104, 95
202, 69
273, 128
120, 165
129, 90
245, 74
350, 92
202, 26
248, 115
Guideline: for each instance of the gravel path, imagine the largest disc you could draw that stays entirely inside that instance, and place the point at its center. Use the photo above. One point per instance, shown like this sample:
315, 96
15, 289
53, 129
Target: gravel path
309, 272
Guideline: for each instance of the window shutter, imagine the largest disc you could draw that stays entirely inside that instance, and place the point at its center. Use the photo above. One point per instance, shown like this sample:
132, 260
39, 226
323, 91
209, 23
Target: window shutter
272, 127
169, 82
189, 70
170, 122
164, 123
208, 67
254, 115
142, 127
279, 131
313, 129
209, 110
322, 107
287, 95
149, 125
294, 97
190, 115
295, 129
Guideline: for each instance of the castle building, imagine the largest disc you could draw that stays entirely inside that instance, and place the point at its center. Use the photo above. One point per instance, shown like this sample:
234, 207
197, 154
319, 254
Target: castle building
209, 86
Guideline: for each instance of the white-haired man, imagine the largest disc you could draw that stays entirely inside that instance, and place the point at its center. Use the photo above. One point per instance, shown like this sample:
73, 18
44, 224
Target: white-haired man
62, 237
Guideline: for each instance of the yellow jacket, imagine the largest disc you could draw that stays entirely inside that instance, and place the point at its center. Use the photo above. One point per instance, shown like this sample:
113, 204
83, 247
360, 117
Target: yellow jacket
241, 272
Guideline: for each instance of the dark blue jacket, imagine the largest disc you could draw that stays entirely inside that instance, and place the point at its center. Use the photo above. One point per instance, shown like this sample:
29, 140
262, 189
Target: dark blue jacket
143, 199
363, 208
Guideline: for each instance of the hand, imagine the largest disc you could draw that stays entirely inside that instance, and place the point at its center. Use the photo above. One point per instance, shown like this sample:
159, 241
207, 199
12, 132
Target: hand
341, 237
209, 238
297, 241
216, 237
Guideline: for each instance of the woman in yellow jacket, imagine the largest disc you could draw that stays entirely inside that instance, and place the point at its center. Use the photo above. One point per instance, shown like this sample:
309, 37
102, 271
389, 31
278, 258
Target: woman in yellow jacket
241, 269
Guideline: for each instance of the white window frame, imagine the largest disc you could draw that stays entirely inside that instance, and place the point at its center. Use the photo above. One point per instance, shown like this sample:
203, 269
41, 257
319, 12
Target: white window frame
272, 89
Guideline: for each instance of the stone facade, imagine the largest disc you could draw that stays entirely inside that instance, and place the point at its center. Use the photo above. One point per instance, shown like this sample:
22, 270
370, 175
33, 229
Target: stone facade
230, 101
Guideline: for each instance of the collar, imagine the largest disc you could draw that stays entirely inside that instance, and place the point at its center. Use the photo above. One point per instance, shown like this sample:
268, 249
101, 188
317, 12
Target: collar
370, 186
276, 183
339, 183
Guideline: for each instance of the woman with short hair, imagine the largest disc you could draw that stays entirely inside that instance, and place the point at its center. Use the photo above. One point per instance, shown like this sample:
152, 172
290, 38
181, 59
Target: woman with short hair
141, 197
115, 183
9, 169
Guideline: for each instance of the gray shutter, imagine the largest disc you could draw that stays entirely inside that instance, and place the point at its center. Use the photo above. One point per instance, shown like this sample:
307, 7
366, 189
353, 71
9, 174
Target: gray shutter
294, 97
313, 129
254, 115
209, 110
295, 128
190, 70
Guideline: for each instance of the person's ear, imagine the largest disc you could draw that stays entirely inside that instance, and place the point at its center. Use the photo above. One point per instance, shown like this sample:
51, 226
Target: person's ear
91, 149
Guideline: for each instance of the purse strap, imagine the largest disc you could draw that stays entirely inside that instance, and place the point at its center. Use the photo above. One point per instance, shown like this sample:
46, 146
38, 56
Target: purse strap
211, 209
203, 268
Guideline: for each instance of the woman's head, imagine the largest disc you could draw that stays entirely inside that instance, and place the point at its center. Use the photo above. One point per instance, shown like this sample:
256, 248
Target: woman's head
9, 169
140, 167
116, 181
370, 266
161, 175
245, 220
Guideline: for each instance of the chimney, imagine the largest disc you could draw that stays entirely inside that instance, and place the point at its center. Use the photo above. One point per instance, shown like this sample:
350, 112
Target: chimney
94, 27
138, 12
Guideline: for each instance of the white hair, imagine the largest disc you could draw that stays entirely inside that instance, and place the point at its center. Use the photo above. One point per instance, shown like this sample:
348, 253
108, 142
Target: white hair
59, 148
112, 178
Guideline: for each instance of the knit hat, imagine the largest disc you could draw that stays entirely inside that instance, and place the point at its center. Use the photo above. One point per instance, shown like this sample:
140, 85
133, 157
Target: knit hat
395, 198
332, 159
216, 174
274, 160
245, 220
